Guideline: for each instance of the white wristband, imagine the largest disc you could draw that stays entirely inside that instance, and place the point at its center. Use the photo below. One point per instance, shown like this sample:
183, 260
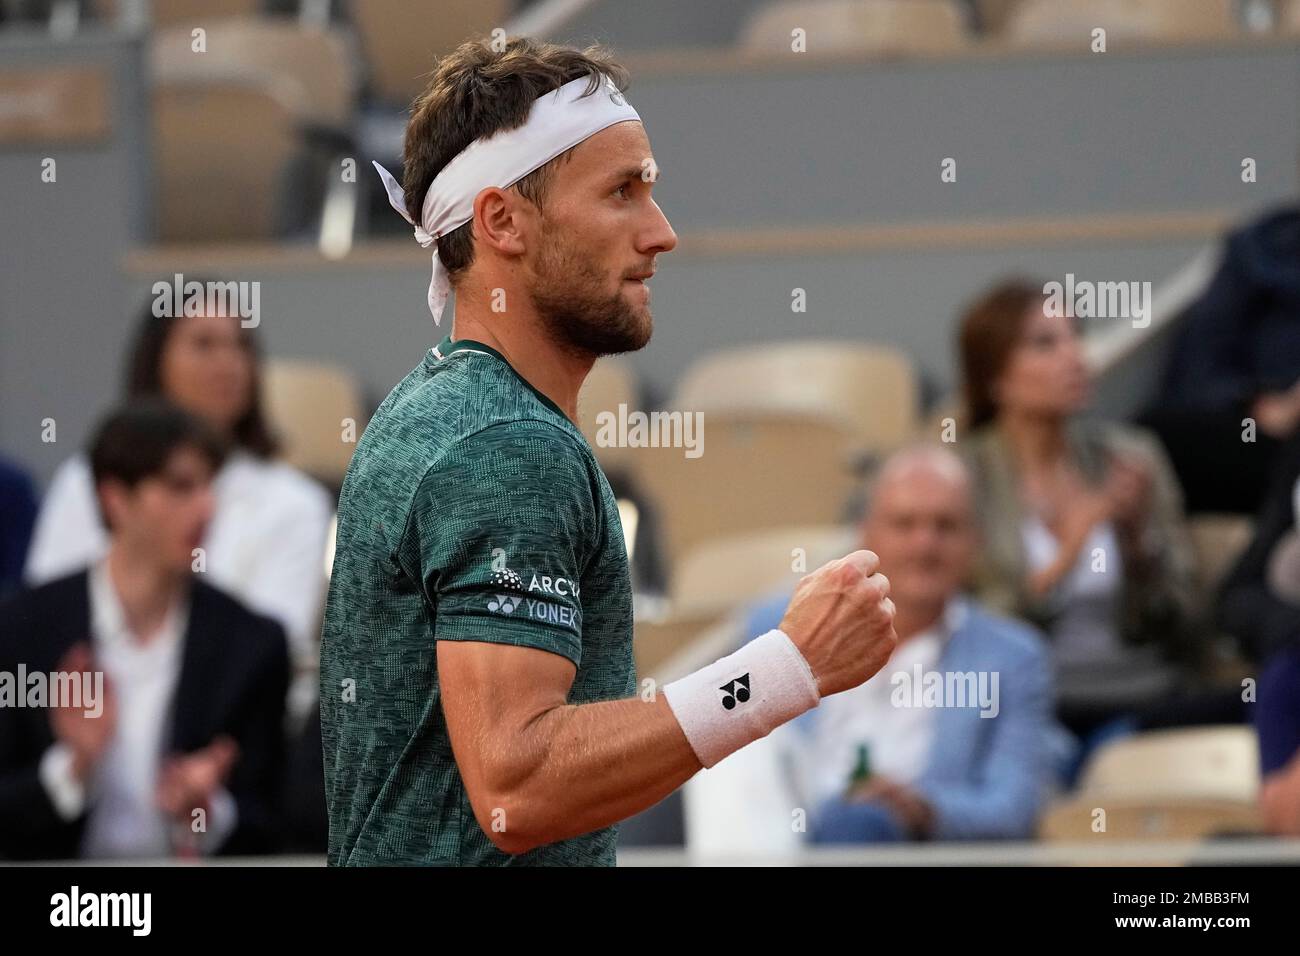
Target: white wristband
742, 697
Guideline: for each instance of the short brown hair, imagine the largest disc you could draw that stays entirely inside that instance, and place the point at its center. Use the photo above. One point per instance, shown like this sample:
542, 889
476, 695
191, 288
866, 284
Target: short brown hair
134, 443
477, 91
990, 330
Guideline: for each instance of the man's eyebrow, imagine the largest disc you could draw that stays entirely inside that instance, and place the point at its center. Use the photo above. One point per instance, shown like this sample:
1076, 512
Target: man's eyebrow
634, 172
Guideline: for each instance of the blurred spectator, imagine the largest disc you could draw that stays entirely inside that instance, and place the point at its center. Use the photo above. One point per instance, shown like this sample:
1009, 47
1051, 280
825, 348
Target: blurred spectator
1258, 603
1237, 356
888, 761
266, 543
189, 713
1277, 719
1082, 521
17, 516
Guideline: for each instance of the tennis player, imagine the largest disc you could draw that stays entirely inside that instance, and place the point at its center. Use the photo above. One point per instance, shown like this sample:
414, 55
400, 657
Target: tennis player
479, 703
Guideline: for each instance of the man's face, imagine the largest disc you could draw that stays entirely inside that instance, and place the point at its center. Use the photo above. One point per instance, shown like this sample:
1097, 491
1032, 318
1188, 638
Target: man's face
164, 515
920, 524
600, 231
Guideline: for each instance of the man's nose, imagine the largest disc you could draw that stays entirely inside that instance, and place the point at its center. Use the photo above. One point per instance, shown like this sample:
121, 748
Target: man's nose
659, 237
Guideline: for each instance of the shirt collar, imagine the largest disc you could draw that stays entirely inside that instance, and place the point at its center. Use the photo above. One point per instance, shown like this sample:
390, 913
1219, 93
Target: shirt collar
109, 619
955, 613
448, 346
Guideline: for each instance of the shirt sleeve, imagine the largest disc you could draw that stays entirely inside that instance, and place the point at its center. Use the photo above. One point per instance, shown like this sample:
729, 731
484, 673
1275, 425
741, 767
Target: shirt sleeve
504, 526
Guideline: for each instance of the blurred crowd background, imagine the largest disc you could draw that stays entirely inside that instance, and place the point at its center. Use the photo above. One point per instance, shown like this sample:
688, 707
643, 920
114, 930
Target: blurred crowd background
1095, 514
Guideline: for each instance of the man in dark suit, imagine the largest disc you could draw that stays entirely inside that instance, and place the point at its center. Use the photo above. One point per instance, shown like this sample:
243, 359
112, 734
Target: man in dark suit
141, 709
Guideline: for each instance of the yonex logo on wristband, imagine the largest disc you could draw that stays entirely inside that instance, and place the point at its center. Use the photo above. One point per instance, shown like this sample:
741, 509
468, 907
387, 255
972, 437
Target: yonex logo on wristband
735, 690
770, 663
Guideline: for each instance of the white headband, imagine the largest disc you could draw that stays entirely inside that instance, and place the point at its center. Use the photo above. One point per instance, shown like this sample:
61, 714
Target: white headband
557, 121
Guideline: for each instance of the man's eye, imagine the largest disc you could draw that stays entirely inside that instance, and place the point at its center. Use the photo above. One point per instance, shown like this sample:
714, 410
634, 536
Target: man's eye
622, 190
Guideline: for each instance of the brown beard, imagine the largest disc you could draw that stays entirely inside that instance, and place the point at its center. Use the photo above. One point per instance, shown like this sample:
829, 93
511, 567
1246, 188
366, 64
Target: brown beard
578, 315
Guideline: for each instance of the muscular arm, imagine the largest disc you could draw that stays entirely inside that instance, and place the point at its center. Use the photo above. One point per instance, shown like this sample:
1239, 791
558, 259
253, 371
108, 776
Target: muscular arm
555, 770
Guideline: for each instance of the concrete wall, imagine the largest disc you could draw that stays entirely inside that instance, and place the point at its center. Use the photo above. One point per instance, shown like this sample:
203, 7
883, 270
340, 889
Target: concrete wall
62, 290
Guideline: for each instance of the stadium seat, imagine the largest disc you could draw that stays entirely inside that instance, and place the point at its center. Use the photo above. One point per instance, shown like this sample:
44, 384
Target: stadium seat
758, 470
1187, 783
223, 147
612, 382
658, 639
322, 63
307, 404
310, 73
720, 575
401, 39
870, 390
1053, 22
1208, 763
1217, 541
856, 26
1171, 818
1288, 16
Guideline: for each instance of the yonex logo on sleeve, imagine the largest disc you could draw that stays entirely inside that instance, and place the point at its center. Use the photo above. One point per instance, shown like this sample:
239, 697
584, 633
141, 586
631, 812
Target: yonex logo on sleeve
505, 603
735, 690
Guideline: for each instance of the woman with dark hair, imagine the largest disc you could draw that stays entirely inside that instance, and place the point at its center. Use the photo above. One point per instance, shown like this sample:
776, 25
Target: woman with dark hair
267, 539
1082, 519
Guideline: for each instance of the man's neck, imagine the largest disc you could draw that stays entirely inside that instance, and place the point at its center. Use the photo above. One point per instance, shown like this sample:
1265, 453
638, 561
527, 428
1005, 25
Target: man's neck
145, 591
517, 334
911, 620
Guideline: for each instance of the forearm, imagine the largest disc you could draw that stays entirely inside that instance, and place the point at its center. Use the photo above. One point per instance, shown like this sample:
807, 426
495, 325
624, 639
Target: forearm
577, 768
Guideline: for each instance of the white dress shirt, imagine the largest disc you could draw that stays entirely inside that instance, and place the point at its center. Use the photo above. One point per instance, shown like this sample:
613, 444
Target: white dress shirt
898, 738
265, 544
760, 801
124, 819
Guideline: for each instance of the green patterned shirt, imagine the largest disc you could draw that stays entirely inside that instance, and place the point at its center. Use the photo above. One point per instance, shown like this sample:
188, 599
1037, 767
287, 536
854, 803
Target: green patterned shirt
473, 510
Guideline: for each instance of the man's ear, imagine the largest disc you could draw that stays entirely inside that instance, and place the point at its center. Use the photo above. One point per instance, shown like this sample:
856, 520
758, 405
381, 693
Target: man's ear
500, 221
114, 499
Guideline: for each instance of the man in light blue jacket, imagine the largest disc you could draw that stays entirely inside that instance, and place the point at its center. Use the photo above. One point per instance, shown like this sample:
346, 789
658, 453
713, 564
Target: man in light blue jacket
955, 738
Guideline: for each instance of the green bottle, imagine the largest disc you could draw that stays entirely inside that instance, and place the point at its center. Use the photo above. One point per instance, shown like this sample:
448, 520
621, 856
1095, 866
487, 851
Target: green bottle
862, 771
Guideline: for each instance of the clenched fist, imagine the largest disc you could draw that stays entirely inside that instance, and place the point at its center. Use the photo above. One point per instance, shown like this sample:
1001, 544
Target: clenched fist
842, 621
